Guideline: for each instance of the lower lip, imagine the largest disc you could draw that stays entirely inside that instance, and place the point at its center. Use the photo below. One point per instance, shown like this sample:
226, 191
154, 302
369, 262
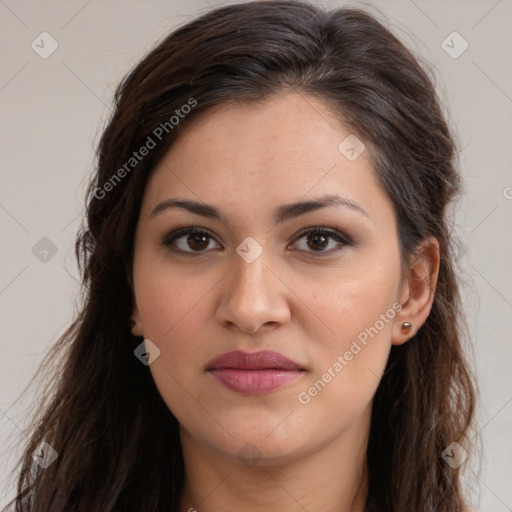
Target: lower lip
253, 382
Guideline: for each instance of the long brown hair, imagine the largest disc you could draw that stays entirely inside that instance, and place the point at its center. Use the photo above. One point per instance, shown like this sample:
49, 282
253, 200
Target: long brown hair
117, 442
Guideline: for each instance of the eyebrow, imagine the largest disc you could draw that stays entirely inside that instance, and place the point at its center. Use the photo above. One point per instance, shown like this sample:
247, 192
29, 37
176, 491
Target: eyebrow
281, 214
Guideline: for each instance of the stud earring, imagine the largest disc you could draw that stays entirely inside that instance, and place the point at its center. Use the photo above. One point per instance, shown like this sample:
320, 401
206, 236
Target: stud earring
406, 327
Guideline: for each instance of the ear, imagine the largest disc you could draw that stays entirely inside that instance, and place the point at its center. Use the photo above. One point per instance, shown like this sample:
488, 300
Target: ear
418, 289
135, 321
136, 324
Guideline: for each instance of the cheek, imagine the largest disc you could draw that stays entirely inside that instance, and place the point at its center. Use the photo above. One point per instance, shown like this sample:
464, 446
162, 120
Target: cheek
171, 310
176, 324
349, 367
350, 361
169, 300
351, 304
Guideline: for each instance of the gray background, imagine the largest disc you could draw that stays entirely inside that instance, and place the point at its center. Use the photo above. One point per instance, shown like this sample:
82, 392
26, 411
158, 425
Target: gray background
52, 113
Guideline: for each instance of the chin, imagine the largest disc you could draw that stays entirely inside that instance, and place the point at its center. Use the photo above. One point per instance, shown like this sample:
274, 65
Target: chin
258, 443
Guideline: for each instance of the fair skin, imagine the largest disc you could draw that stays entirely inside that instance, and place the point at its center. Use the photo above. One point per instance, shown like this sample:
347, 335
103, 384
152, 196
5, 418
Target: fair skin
246, 160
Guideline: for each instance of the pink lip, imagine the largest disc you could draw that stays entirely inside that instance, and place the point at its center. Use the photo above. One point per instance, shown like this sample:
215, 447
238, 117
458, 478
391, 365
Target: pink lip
254, 372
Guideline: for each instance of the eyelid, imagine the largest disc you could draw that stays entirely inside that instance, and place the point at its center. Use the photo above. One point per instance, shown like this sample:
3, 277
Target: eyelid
333, 233
169, 239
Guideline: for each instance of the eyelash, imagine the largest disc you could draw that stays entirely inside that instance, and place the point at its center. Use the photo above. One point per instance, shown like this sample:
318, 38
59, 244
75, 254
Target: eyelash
316, 230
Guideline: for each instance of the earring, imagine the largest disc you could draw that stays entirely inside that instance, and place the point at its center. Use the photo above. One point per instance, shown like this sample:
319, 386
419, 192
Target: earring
406, 327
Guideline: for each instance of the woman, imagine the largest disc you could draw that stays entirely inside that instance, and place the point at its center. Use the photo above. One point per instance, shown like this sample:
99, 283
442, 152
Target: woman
271, 318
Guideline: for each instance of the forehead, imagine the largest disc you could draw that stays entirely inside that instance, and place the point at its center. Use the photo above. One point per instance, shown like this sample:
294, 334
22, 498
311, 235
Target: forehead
246, 156
287, 129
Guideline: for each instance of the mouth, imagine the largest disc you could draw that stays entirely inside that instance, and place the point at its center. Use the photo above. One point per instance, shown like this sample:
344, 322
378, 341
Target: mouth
254, 373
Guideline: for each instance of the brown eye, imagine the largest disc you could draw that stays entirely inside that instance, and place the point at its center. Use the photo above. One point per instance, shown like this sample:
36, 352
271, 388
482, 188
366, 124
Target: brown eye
197, 242
193, 241
323, 241
317, 241
188, 241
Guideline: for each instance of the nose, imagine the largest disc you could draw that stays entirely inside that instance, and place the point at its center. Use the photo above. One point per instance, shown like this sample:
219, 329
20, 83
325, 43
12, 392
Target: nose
253, 296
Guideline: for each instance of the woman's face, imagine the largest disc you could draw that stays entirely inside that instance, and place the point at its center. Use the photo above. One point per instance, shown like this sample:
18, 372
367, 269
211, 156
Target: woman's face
257, 281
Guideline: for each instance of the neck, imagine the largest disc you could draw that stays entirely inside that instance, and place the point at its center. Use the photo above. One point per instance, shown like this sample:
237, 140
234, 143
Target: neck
333, 478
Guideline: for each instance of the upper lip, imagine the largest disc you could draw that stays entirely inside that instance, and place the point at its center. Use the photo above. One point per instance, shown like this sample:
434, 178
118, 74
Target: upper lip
262, 360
